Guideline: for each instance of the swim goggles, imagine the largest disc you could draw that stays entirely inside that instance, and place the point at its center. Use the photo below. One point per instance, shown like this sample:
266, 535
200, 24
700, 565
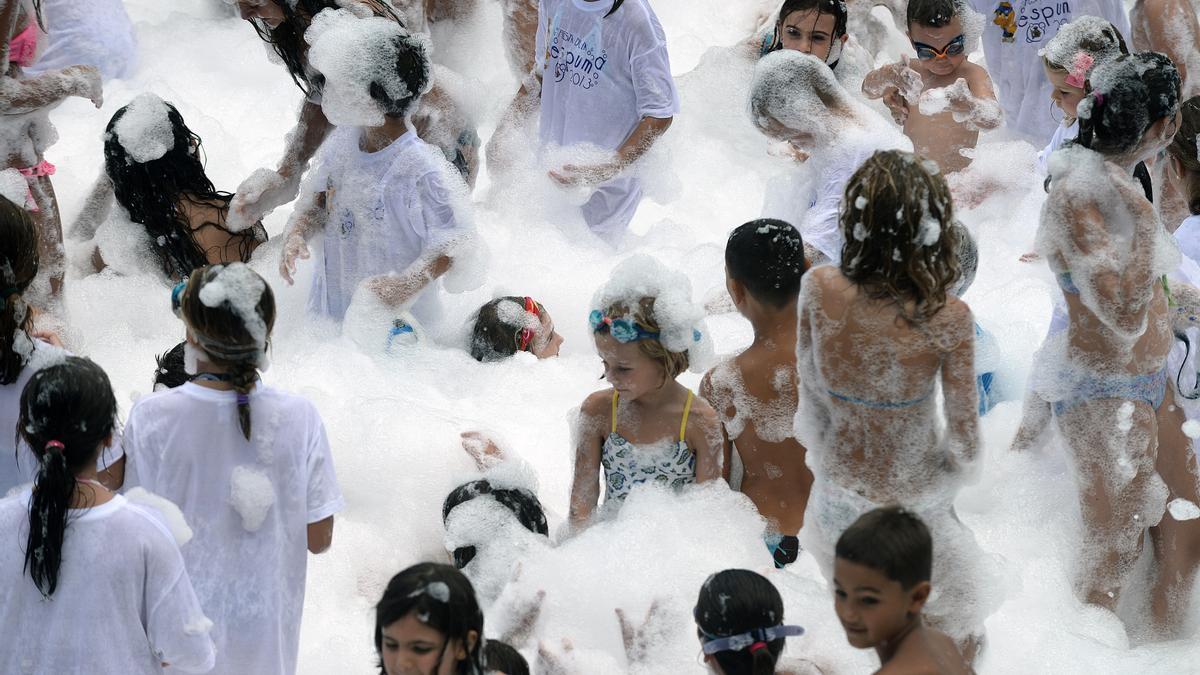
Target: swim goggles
525, 335
177, 298
623, 329
953, 48
755, 639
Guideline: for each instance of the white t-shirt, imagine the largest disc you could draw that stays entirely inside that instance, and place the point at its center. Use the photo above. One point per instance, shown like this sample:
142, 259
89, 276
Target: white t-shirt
386, 209
92, 33
123, 604
249, 504
600, 77
1061, 135
1013, 32
1188, 238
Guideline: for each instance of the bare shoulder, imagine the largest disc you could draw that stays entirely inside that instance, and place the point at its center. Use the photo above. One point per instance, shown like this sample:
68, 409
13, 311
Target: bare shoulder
597, 404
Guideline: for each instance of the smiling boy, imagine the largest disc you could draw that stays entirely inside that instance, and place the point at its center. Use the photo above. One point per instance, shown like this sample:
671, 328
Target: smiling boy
941, 99
881, 583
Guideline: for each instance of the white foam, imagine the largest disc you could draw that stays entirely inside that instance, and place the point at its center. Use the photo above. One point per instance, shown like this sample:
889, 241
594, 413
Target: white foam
145, 130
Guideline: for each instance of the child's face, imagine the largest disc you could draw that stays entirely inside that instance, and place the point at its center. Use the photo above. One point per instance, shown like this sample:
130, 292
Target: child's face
809, 31
871, 607
268, 11
939, 39
1065, 96
546, 342
413, 648
627, 369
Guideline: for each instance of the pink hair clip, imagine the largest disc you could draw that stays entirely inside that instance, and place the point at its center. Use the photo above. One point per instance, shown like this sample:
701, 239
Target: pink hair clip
1079, 70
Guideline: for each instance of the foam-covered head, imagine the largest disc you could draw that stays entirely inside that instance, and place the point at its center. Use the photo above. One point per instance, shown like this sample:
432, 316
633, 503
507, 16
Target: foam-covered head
795, 97
512, 324
766, 257
523, 504
18, 267
896, 220
735, 602
1129, 95
1083, 44
435, 604
371, 68
229, 311
152, 159
1185, 152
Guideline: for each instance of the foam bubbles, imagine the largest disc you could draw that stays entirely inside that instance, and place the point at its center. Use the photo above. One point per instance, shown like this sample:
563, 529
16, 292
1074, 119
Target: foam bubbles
252, 496
145, 129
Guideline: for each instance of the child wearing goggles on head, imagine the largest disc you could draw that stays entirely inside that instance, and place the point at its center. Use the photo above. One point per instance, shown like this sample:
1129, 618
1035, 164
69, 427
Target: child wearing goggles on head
646, 428
512, 324
739, 620
941, 99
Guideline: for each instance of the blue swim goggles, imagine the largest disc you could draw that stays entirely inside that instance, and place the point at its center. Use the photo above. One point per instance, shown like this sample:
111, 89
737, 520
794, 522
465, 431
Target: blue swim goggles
623, 330
755, 639
177, 297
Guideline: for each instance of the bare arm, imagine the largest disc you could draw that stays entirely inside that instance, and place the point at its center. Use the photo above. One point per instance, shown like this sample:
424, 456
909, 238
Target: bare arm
1173, 29
18, 96
960, 394
705, 437
979, 108
320, 535
708, 393
95, 210
589, 445
399, 290
310, 131
266, 189
637, 144
305, 222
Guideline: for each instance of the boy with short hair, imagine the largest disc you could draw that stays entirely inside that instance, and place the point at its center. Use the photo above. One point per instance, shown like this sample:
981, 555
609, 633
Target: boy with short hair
942, 100
755, 393
384, 199
881, 583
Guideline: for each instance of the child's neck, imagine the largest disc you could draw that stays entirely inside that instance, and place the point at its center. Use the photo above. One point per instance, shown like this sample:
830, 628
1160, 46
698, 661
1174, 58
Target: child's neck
377, 138
660, 397
887, 650
773, 329
204, 367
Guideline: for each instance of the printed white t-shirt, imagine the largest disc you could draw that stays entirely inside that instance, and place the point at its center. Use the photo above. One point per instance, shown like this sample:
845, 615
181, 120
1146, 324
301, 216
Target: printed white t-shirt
124, 603
386, 210
249, 504
1013, 32
1062, 134
600, 77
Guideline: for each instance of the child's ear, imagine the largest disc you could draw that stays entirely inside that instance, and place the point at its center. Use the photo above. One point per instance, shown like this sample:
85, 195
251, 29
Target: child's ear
465, 648
737, 291
918, 596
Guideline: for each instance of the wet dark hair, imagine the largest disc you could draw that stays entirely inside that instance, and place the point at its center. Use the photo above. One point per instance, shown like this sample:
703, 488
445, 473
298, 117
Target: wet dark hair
1129, 94
891, 257
521, 502
413, 68
170, 371
287, 39
1184, 148
767, 257
67, 411
615, 6
454, 617
18, 267
835, 8
493, 338
733, 602
932, 13
967, 252
154, 193
223, 336
502, 657
892, 541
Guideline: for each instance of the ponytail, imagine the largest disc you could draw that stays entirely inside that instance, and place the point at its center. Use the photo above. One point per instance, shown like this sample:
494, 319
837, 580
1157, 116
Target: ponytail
243, 379
18, 267
68, 412
615, 6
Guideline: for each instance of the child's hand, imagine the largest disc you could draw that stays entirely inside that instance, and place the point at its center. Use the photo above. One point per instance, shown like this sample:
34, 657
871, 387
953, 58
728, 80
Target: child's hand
527, 615
482, 449
261, 192
897, 105
86, 83
786, 150
47, 336
639, 640
571, 175
294, 248
550, 663
1029, 257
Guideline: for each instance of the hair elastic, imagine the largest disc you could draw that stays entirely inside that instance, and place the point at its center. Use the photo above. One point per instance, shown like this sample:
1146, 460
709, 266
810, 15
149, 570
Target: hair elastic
243, 399
757, 646
55, 445
1099, 97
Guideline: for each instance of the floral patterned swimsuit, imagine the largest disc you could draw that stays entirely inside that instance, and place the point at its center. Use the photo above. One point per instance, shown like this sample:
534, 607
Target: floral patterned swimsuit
625, 466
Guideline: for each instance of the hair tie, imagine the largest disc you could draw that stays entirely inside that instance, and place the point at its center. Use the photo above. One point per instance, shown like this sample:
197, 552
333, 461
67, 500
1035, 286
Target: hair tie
55, 445
1079, 70
757, 646
243, 399
1099, 97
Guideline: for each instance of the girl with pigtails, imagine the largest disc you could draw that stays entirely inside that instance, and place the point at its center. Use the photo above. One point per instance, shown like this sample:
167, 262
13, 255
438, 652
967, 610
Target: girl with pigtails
248, 465
87, 576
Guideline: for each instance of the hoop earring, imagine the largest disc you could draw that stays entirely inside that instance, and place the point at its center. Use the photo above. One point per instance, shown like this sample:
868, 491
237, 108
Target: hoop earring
1054, 107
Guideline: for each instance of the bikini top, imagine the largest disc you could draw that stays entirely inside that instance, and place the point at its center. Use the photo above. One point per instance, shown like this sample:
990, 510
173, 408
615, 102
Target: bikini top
625, 466
22, 47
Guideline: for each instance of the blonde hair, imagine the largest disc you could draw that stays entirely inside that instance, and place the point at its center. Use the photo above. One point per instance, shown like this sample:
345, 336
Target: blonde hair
673, 363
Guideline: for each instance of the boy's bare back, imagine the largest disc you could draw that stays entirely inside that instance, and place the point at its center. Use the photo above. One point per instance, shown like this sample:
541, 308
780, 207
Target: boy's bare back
926, 651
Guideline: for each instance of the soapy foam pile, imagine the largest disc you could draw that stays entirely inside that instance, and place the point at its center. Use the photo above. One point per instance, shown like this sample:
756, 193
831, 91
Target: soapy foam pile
394, 423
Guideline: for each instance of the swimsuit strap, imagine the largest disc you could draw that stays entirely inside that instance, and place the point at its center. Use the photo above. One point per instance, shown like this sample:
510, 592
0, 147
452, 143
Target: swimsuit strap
614, 411
687, 408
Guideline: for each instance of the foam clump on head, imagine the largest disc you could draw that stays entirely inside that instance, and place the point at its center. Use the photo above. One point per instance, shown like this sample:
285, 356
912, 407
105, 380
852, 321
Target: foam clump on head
1092, 36
1129, 93
681, 326
145, 129
241, 288
796, 90
360, 59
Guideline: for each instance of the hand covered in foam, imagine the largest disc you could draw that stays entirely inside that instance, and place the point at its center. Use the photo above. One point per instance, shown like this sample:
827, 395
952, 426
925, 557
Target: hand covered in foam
258, 195
294, 248
639, 640
85, 82
572, 175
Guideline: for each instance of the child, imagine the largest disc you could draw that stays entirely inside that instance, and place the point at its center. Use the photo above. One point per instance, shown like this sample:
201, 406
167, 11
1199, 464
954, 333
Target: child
739, 619
522, 503
881, 576
249, 466
1069, 58
795, 99
755, 392
500, 658
513, 324
428, 621
942, 100
170, 369
26, 130
877, 335
605, 81
89, 578
647, 428
818, 27
153, 169
23, 351
1014, 33
383, 198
